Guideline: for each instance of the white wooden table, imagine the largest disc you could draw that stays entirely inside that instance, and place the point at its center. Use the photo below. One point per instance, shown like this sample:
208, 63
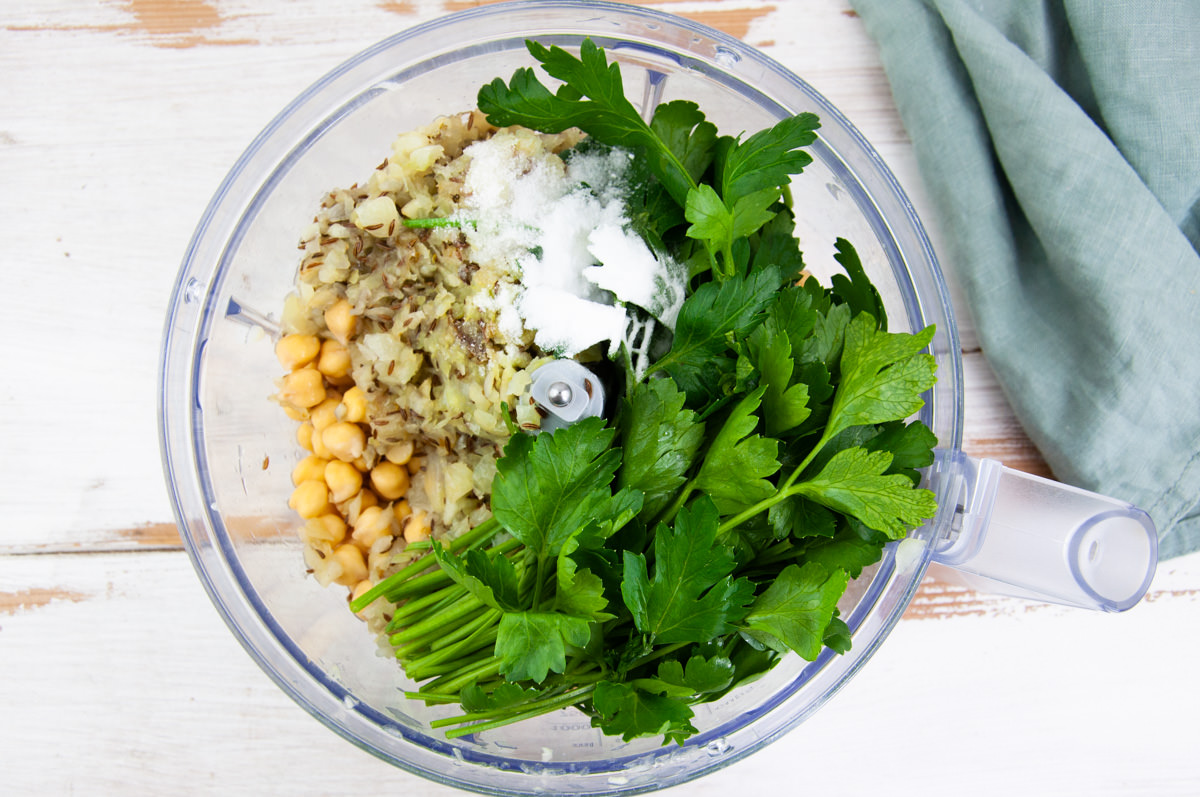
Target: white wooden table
117, 122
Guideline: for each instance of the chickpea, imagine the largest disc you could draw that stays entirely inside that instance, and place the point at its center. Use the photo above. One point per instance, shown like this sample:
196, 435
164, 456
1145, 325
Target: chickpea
344, 440
389, 480
328, 527
416, 527
373, 523
343, 479
354, 507
318, 446
295, 351
304, 436
311, 467
354, 406
341, 321
310, 498
303, 388
353, 565
334, 361
324, 414
401, 509
400, 453
414, 465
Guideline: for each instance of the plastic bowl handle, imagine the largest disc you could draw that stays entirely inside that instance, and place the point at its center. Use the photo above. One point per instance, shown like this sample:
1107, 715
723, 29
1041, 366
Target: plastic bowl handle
1022, 535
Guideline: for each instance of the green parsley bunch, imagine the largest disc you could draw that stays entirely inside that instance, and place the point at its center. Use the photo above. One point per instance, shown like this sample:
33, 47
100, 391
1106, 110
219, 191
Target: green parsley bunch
637, 567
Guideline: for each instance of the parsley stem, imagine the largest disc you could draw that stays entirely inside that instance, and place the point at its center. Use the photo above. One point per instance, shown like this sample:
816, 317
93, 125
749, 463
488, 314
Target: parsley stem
782, 494
668, 514
411, 607
658, 653
485, 669
537, 581
430, 699
431, 223
451, 658
806, 461
490, 616
541, 707
453, 666
435, 637
467, 605
481, 533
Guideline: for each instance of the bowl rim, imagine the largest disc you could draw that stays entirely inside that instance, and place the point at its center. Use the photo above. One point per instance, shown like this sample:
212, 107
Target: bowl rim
185, 293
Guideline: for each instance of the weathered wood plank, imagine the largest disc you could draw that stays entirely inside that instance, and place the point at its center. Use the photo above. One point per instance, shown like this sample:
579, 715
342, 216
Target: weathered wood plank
119, 677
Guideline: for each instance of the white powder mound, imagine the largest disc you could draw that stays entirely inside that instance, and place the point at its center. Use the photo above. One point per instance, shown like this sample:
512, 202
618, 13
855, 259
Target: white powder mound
562, 230
568, 324
627, 268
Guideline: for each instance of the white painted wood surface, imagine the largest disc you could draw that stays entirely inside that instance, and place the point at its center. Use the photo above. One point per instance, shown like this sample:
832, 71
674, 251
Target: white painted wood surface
117, 122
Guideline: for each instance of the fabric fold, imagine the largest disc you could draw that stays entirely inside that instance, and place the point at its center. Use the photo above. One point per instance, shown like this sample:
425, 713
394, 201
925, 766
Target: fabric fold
1059, 141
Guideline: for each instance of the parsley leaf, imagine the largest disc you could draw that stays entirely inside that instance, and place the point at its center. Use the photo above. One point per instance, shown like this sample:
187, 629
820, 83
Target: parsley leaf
659, 439
883, 375
766, 159
799, 517
847, 550
532, 644
796, 609
837, 635
854, 483
824, 346
629, 712
691, 597
785, 405
492, 580
548, 487
854, 288
737, 462
605, 115
716, 310
719, 222
682, 129
752, 175
777, 245
701, 676
579, 592
911, 446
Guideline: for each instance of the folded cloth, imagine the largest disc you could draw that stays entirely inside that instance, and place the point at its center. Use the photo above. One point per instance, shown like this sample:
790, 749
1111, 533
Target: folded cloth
1059, 141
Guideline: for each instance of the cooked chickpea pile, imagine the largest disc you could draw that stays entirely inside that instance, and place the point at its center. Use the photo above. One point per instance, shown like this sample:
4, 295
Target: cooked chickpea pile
397, 364
352, 512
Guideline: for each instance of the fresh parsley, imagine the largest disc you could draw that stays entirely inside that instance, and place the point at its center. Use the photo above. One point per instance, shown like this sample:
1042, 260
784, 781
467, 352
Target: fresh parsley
637, 567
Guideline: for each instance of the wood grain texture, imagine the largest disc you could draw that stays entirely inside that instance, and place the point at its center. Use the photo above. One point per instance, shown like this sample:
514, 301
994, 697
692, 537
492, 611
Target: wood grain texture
121, 678
164, 123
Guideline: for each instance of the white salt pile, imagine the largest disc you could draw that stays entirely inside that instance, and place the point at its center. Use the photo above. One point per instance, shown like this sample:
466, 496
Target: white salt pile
563, 228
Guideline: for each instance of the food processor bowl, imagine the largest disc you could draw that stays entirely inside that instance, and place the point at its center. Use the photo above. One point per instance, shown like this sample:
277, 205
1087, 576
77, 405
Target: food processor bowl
228, 450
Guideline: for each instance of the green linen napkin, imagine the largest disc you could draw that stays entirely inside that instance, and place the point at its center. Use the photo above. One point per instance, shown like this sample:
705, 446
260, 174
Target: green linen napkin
1059, 141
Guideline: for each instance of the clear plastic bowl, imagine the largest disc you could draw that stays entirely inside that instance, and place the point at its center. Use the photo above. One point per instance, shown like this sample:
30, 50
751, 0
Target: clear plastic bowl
228, 451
